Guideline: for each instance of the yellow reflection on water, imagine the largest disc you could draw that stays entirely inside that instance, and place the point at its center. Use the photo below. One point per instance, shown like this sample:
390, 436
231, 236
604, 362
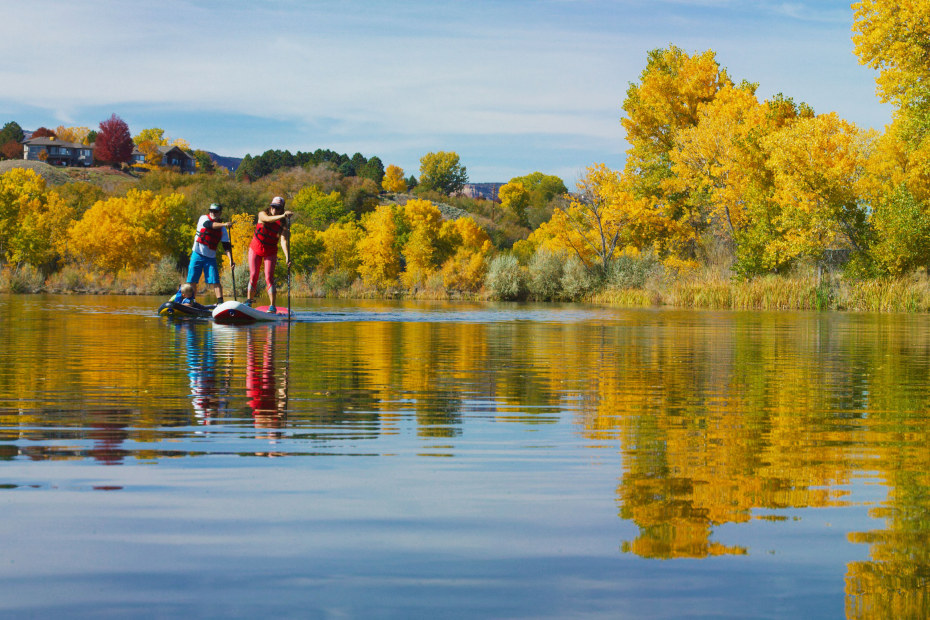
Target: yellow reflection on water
717, 418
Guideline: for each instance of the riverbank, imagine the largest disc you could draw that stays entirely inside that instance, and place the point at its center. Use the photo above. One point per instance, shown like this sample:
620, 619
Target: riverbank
795, 292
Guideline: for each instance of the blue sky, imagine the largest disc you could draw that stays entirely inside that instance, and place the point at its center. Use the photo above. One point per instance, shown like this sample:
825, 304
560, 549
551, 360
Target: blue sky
511, 86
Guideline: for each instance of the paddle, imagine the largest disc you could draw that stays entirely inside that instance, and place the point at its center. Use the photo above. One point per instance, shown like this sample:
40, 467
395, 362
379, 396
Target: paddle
288, 293
233, 267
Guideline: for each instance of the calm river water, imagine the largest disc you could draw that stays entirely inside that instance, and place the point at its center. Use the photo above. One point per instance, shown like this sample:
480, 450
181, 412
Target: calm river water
417, 460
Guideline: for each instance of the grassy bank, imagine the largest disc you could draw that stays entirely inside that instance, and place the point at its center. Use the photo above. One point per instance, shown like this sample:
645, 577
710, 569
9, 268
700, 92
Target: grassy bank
904, 294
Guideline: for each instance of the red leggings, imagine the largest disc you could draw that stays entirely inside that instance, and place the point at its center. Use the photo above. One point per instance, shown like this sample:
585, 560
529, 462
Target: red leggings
255, 263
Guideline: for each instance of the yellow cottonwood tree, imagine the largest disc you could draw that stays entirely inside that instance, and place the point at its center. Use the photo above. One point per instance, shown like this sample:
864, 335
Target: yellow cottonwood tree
466, 268
394, 180
34, 221
604, 221
77, 135
153, 134
514, 196
714, 161
149, 150
130, 232
340, 250
891, 36
379, 261
719, 166
240, 234
422, 252
667, 99
817, 164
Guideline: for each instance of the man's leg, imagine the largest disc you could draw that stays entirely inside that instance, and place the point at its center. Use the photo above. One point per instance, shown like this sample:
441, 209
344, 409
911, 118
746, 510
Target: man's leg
213, 277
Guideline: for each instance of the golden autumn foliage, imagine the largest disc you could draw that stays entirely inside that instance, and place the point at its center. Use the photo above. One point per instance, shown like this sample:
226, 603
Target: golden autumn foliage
150, 152
891, 36
33, 220
817, 164
305, 246
130, 232
666, 100
240, 235
379, 260
394, 180
466, 268
717, 160
340, 249
422, 252
605, 220
155, 135
515, 197
77, 135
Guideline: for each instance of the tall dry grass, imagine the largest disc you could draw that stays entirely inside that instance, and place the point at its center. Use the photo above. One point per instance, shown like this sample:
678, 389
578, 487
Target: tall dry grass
705, 290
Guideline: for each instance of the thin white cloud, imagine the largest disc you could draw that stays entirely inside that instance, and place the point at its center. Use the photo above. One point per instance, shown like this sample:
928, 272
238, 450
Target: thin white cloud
365, 72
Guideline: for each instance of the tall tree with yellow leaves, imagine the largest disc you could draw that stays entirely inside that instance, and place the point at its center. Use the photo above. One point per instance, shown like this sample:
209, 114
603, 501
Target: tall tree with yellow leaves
77, 135
394, 180
515, 198
817, 164
604, 220
720, 168
152, 134
666, 100
422, 251
466, 268
33, 220
129, 232
891, 36
379, 260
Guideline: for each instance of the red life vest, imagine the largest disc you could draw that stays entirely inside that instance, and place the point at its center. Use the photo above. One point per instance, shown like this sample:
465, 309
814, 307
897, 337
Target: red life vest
267, 234
209, 237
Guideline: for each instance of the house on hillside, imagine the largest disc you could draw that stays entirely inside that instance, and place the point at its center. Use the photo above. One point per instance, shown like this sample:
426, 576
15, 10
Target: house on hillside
58, 152
171, 156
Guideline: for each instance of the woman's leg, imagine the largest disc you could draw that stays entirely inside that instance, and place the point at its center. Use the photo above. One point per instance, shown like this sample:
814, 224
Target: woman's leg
254, 270
270, 262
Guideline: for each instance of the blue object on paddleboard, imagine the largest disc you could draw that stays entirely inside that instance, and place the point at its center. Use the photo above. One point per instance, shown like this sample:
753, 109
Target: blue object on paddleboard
184, 311
238, 313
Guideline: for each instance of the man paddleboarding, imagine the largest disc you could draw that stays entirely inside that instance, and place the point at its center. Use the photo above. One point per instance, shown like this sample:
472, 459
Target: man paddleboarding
211, 231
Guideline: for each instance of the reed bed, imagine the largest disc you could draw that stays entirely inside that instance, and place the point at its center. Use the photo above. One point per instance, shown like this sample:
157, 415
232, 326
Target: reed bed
706, 290
903, 294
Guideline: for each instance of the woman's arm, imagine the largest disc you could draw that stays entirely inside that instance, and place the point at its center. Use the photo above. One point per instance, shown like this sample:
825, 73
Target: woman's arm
264, 217
286, 243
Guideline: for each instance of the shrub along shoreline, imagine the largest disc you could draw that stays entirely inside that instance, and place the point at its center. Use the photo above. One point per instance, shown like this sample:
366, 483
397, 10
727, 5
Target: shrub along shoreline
830, 292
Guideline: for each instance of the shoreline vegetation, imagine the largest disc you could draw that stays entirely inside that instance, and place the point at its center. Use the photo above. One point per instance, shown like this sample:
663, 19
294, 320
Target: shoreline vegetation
828, 292
725, 201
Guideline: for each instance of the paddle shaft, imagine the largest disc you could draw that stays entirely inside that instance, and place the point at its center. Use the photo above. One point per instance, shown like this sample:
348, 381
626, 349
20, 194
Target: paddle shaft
233, 267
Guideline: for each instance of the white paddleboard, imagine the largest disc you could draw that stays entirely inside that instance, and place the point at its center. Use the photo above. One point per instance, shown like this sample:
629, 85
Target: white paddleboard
238, 313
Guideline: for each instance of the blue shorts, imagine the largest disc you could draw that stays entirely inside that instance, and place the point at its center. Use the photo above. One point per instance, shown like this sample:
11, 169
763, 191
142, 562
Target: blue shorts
207, 265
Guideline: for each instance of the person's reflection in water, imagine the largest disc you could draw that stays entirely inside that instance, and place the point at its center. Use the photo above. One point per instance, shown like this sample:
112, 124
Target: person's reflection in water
267, 394
108, 434
209, 387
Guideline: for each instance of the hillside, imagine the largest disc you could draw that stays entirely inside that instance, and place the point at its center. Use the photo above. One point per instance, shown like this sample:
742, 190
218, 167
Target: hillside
52, 175
103, 176
230, 163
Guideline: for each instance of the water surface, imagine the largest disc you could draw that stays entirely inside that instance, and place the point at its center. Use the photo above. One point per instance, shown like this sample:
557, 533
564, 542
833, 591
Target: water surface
391, 459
